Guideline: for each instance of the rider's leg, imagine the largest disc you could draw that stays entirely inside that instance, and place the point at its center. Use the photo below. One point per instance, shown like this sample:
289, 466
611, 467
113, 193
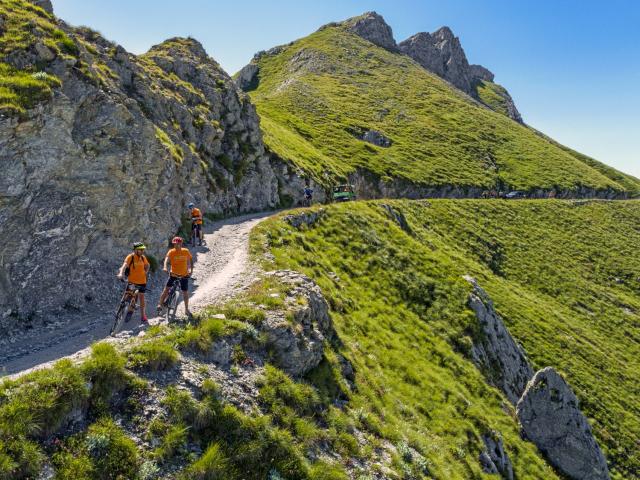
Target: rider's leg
143, 313
185, 294
163, 297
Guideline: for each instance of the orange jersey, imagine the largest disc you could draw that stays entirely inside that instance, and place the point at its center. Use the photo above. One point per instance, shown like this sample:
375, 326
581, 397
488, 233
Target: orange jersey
137, 274
179, 261
196, 216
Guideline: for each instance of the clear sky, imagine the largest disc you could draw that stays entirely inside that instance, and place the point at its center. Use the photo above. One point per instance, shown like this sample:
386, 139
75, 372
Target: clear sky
572, 66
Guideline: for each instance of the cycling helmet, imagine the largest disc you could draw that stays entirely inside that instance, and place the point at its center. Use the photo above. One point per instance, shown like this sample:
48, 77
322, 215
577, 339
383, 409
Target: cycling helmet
139, 246
191, 205
177, 240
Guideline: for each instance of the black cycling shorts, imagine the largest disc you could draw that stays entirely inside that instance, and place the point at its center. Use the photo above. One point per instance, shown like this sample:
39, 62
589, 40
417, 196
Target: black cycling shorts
184, 282
141, 287
196, 227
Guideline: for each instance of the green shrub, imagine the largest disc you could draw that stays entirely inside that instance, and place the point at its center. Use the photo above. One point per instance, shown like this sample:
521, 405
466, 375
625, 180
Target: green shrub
244, 314
213, 465
114, 455
105, 369
66, 44
173, 442
277, 390
157, 354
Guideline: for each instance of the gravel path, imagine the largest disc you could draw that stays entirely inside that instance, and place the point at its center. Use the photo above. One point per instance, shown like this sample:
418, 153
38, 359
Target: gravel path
221, 268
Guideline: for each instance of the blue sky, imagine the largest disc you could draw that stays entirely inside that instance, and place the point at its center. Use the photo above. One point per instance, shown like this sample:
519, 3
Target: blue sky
573, 67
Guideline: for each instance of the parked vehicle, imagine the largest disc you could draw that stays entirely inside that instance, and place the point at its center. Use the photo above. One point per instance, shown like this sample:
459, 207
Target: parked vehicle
516, 194
344, 193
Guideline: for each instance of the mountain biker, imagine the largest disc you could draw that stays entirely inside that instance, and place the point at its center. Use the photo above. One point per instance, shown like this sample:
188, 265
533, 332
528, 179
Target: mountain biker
181, 266
308, 194
135, 267
196, 222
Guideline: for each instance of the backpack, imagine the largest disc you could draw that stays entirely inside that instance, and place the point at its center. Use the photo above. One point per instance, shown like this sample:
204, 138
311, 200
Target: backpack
131, 264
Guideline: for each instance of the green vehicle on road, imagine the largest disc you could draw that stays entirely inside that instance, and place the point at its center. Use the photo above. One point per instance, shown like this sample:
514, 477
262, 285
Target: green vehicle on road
344, 193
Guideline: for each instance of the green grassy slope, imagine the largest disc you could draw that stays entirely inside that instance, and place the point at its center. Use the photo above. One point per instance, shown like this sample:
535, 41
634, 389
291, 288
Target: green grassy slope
315, 92
564, 275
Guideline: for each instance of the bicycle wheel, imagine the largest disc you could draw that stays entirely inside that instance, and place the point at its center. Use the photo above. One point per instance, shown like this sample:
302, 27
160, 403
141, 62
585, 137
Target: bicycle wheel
169, 305
119, 318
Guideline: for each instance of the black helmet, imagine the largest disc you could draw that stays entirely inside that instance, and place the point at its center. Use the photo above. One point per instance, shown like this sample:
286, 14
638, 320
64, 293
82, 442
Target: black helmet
139, 246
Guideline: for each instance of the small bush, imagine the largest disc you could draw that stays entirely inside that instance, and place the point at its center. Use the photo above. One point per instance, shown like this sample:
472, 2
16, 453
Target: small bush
105, 369
245, 314
213, 465
114, 455
154, 355
173, 442
278, 390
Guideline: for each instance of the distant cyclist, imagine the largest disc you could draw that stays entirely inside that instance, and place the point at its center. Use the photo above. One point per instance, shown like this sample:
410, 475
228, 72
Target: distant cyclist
196, 223
308, 196
181, 269
135, 268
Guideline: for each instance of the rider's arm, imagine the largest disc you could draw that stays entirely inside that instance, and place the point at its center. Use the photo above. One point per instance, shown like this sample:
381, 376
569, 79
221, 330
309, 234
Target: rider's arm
190, 265
120, 273
166, 263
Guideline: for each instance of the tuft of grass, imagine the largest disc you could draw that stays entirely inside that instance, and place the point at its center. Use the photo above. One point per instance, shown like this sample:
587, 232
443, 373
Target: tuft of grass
174, 150
213, 465
157, 354
20, 90
105, 369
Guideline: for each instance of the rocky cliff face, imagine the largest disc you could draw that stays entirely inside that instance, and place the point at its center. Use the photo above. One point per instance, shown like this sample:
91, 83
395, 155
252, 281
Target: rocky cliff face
113, 157
550, 417
441, 52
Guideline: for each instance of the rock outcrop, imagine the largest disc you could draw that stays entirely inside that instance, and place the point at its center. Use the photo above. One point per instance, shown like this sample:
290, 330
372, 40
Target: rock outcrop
441, 52
494, 459
494, 351
371, 26
296, 339
550, 417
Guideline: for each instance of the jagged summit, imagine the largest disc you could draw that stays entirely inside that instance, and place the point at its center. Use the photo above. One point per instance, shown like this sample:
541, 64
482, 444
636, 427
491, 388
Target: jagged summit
372, 26
183, 46
441, 52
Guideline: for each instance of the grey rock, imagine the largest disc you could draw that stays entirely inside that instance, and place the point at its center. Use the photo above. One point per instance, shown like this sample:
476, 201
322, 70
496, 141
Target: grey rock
550, 417
440, 52
372, 27
376, 138
496, 353
398, 217
479, 72
494, 459
44, 53
44, 4
247, 78
297, 342
305, 218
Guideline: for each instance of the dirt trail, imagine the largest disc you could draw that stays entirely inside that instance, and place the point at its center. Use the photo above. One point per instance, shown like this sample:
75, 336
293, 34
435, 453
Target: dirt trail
221, 268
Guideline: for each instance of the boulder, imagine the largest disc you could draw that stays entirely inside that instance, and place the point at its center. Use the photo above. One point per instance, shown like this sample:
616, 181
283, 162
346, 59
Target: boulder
296, 340
376, 138
372, 27
247, 78
550, 417
494, 351
44, 4
478, 72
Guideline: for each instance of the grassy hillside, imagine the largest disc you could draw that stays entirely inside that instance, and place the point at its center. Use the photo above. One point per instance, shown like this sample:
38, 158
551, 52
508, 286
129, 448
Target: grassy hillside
318, 94
564, 275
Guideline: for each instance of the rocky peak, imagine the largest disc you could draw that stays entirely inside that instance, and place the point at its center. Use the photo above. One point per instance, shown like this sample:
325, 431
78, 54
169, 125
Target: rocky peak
44, 4
180, 46
441, 53
372, 27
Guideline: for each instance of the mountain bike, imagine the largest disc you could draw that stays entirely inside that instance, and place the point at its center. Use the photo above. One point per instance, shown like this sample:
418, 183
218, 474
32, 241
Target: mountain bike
196, 235
173, 299
127, 306
306, 201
